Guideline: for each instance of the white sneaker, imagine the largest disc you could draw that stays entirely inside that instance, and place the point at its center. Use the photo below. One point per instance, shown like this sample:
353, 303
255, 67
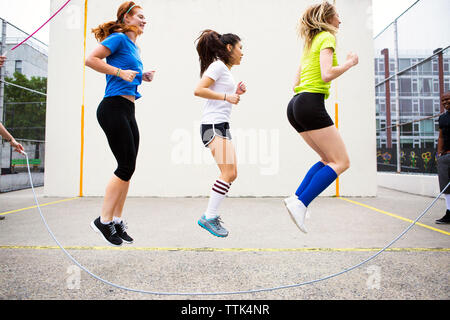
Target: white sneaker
295, 198
297, 211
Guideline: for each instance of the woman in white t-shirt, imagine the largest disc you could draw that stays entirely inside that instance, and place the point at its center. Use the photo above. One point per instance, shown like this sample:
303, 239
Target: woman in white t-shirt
218, 54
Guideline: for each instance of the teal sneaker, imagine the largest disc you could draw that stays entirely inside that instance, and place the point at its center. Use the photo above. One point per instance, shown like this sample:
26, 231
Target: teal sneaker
213, 226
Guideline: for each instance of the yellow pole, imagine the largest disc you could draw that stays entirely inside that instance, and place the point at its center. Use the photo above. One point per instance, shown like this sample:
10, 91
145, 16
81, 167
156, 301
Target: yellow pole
82, 104
336, 118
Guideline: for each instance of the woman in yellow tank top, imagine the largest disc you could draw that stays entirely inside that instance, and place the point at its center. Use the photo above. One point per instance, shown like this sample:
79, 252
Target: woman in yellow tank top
306, 111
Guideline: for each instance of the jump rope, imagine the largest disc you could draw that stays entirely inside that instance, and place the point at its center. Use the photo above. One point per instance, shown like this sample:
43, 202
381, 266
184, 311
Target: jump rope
220, 293
205, 293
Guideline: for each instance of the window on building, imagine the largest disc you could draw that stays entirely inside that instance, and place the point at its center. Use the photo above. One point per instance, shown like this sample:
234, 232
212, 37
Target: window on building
416, 105
18, 67
393, 87
426, 107
405, 107
426, 86
435, 67
406, 130
381, 66
415, 89
392, 68
436, 86
427, 143
426, 68
405, 87
403, 64
427, 128
407, 143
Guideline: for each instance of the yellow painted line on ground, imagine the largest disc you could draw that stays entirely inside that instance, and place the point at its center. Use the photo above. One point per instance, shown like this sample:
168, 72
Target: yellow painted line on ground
41, 205
163, 249
395, 216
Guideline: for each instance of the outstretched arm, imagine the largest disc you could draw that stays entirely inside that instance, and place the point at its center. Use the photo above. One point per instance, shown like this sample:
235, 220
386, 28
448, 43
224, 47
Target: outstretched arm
8, 137
329, 72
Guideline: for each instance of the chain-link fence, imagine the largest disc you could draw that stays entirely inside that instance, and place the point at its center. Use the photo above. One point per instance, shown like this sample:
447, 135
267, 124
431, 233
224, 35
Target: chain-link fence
411, 74
23, 87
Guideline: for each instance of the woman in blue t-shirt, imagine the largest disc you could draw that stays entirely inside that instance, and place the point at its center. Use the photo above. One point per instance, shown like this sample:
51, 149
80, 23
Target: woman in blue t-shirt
116, 112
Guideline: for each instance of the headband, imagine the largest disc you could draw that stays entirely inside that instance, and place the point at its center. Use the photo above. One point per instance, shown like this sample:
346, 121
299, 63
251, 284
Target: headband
123, 19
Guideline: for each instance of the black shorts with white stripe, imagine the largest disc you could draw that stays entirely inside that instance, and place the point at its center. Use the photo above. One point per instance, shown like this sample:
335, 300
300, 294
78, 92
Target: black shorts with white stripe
210, 131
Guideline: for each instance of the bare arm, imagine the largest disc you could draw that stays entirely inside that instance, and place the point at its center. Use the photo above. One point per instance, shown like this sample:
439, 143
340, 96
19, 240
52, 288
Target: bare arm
440, 145
8, 137
297, 79
5, 134
203, 91
329, 72
96, 62
2, 60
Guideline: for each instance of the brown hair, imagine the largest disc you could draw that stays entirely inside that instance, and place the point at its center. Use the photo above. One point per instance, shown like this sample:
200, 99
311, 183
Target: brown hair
212, 46
315, 20
105, 29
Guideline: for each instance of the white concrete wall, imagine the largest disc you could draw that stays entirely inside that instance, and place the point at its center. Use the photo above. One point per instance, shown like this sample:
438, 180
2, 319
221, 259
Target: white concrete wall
19, 181
172, 161
420, 184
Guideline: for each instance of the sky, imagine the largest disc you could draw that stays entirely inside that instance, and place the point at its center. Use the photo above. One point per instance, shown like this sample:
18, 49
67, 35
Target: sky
29, 15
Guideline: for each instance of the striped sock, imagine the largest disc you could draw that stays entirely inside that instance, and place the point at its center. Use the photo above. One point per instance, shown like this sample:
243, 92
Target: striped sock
218, 193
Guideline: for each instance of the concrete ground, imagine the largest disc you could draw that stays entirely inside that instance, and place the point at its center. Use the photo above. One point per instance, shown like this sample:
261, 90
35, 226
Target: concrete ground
173, 254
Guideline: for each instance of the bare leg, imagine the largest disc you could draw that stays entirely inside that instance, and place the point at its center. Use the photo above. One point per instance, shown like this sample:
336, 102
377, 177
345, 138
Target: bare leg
313, 146
329, 142
115, 191
118, 208
224, 154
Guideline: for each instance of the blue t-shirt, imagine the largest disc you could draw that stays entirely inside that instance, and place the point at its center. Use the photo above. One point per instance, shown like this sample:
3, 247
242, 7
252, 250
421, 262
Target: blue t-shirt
124, 55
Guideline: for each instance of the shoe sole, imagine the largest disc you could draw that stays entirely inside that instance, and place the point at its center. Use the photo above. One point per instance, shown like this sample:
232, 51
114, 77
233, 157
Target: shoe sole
439, 222
302, 229
94, 227
210, 231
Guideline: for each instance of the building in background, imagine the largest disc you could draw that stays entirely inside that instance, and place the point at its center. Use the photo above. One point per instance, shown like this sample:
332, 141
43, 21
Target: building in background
418, 98
30, 59
22, 112
412, 71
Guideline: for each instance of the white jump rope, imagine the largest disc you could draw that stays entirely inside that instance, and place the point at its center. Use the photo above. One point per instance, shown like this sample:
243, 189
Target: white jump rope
220, 293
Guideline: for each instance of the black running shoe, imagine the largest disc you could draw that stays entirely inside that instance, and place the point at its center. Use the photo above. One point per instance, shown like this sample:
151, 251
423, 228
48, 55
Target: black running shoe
120, 229
108, 231
445, 219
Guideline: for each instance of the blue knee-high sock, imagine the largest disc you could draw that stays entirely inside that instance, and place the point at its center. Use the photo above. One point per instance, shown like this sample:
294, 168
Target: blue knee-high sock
321, 180
307, 179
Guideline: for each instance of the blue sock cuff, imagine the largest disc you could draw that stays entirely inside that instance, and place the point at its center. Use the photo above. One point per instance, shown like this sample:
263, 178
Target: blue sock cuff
321, 180
307, 179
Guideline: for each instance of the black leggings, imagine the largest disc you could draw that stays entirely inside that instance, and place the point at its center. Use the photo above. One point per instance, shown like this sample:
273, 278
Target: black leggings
117, 119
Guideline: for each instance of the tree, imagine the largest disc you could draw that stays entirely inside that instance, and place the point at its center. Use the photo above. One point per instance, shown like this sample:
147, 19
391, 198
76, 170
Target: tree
24, 111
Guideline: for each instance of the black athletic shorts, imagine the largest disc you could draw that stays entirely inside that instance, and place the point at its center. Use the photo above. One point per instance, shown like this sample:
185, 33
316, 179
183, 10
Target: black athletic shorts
209, 131
306, 111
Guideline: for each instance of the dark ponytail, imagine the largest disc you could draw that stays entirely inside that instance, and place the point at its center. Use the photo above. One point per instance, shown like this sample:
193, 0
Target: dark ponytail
212, 46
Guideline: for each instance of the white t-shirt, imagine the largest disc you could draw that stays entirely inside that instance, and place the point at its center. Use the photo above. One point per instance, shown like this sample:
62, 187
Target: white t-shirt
218, 111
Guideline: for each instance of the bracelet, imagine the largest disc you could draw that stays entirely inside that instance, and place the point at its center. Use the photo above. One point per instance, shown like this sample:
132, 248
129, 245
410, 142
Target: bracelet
225, 99
118, 72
